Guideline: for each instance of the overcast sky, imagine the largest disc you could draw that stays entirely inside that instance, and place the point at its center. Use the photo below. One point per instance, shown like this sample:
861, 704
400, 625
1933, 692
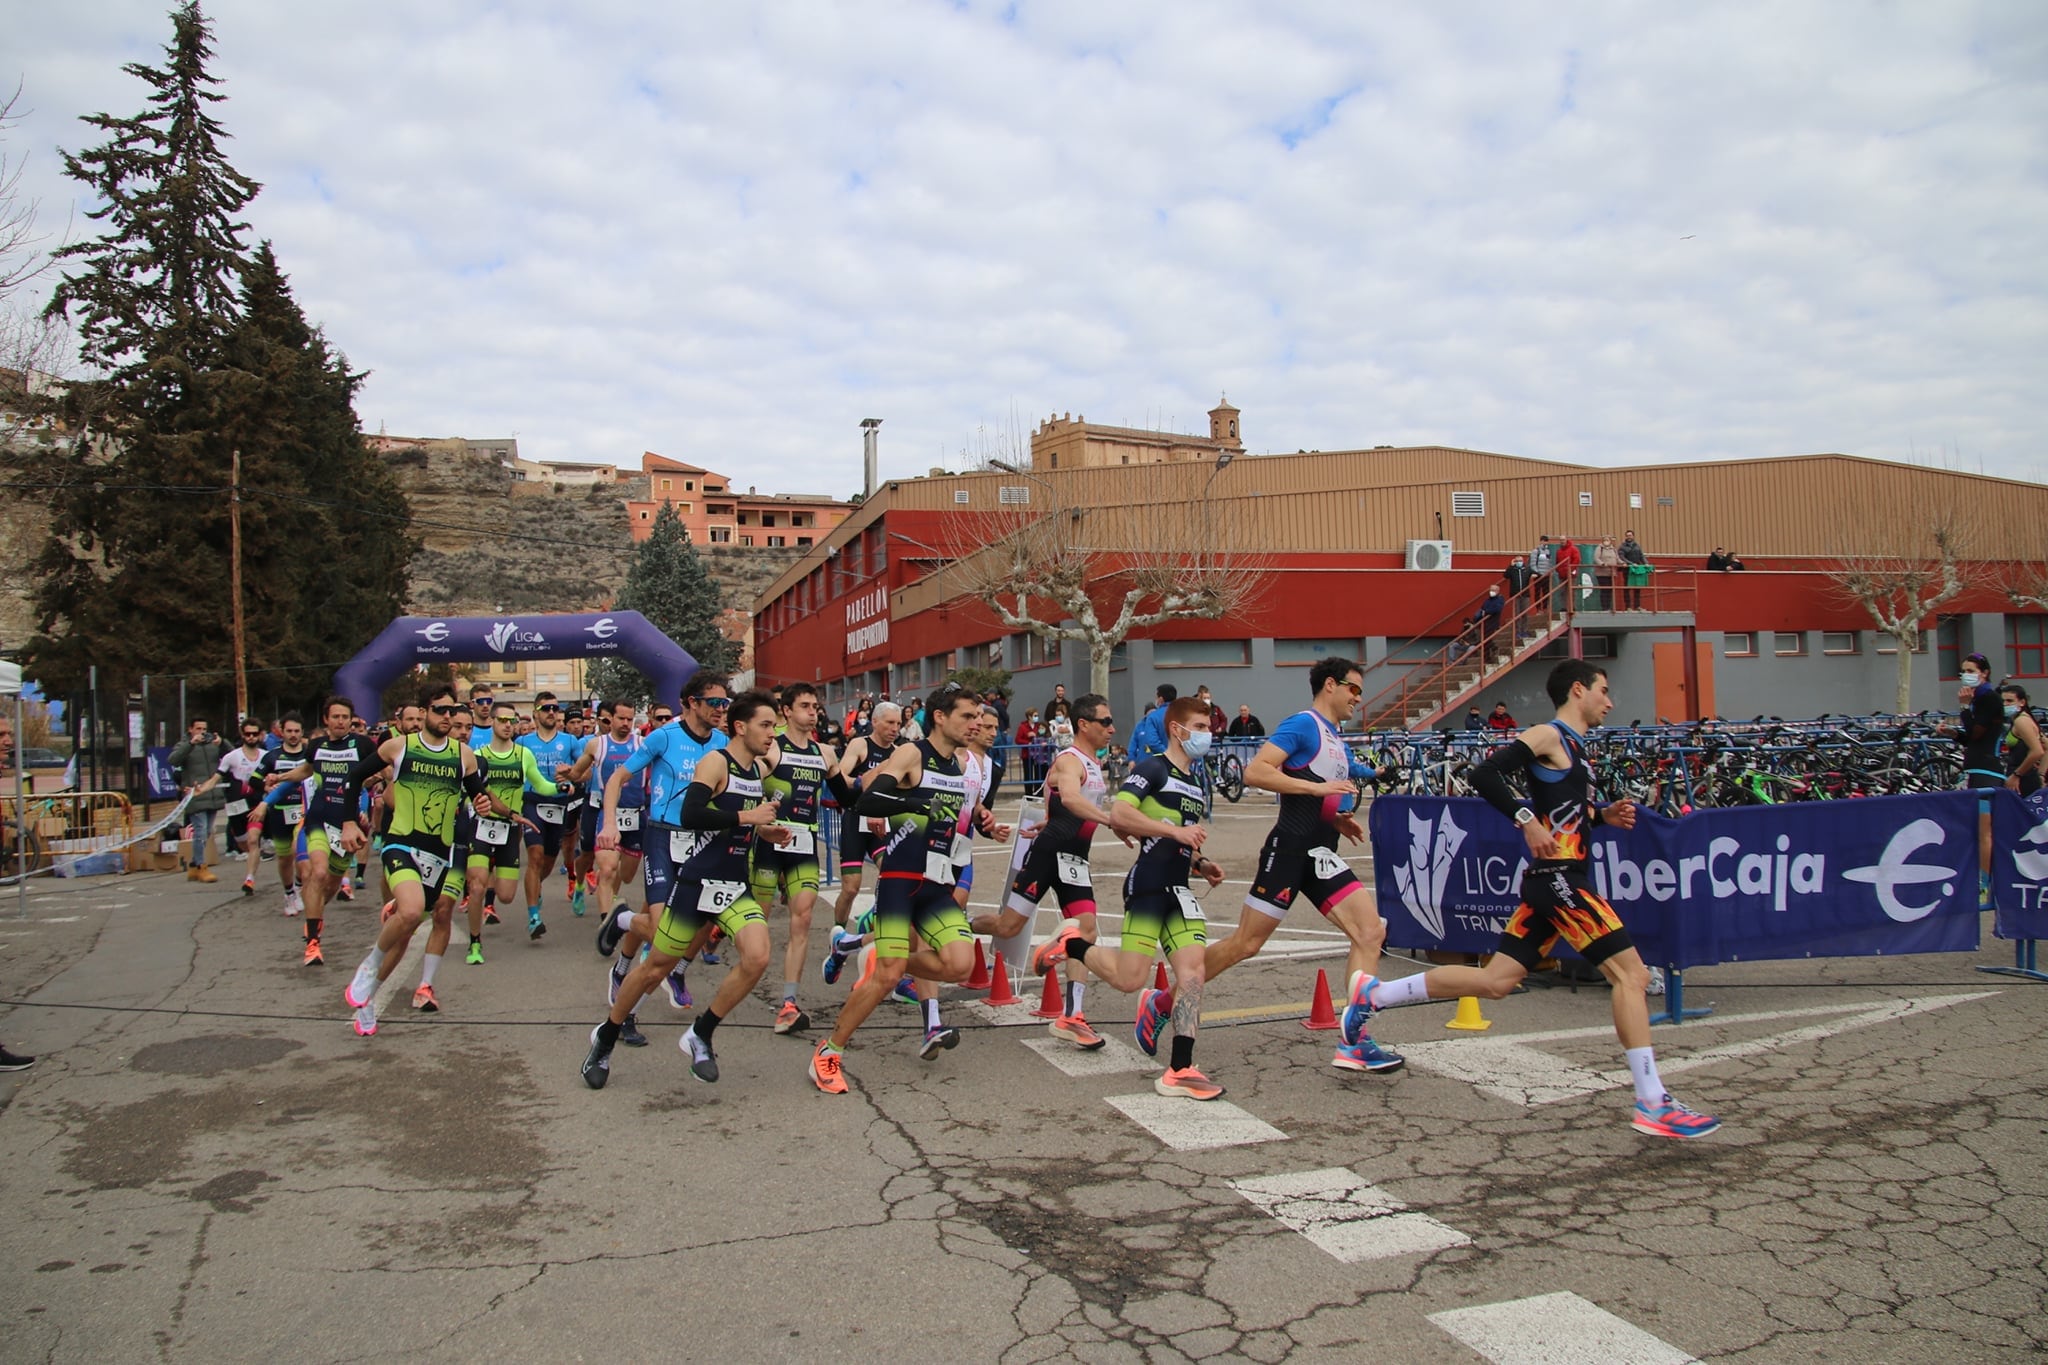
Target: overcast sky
1613, 233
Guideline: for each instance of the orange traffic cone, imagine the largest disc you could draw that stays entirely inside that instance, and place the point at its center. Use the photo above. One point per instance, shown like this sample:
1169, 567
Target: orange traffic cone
977, 980
1159, 977
1050, 1005
1002, 994
1320, 1013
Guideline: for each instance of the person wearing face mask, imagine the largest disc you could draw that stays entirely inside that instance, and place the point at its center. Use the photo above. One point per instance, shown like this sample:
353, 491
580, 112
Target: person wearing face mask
2025, 756
1980, 731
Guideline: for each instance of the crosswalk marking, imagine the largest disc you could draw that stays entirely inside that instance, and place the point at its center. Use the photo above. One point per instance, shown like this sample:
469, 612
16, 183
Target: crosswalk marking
1346, 1216
1555, 1329
1113, 1056
1191, 1126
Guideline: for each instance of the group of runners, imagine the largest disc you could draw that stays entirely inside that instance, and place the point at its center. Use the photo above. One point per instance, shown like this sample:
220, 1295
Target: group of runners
689, 834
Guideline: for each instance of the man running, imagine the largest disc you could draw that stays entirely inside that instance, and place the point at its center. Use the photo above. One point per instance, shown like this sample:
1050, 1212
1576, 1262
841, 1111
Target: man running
239, 768
510, 772
802, 766
283, 817
603, 754
1558, 900
1306, 763
1075, 794
431, 774
922, 792
858, 838
1162, 804
554, 750
723, 813
331, 808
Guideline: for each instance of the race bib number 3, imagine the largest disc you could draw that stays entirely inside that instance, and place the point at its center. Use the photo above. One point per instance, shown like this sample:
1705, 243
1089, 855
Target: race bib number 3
1327, 864
430, 865
1074, 870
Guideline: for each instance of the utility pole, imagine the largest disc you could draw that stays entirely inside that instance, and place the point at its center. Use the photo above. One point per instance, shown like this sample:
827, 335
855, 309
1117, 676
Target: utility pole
235, 579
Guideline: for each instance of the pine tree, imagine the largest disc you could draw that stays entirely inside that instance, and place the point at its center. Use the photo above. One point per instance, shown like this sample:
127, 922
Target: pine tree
669, 585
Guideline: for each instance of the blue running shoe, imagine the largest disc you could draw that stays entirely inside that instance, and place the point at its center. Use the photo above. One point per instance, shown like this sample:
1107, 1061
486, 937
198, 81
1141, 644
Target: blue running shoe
844, 945
1153, 1008
1366, 1055
1671, 1119
906, 990
576, 902
678, 993
534, 928
614, 979
1359, 1012
630, 1034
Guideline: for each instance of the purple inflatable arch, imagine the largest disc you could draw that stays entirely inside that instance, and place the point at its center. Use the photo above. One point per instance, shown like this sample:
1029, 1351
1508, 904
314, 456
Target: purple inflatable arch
414, 640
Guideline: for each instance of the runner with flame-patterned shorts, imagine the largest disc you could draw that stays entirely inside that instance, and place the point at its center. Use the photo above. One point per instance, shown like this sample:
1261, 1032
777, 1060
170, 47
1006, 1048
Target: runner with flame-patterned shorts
1558, 903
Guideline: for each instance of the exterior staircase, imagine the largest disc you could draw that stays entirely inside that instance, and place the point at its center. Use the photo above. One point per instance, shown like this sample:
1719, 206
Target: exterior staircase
1466, 663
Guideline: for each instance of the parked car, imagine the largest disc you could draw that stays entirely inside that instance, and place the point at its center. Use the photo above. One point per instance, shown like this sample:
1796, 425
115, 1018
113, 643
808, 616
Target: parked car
42, 758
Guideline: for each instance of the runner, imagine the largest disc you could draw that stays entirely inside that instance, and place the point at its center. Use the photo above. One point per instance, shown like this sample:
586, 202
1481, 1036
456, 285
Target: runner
922, 792
431, 773
802, 767
1558, 900
240, 768
1305, 762
858, 838
554, 750
668, 757
331, 807
282, 818
1075, 794
510, 773
1162, 803
723, 813
604, 754
454, 889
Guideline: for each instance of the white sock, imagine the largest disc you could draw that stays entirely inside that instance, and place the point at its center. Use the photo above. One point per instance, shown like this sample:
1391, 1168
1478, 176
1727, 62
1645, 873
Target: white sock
1642, 1066
623, 918
931, 1014
1074, 989
375, 961
433, 964
1409, 990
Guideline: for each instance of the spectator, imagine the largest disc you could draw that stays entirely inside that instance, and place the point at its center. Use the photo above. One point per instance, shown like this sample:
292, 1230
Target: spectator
1059, 726
863, 718
1148, 737
1632, 555
1473, 720
1607, 570
193, 761
1542, 559
994, 698
1490, 612
1217, 723
1247, 725
1518, 577
1059, 698
1722, 561
1568, 562
1025, 737
1500, 722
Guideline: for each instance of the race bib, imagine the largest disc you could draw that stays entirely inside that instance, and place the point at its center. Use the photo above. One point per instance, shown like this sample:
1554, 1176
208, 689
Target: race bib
493, 831
293, 814
333, 836
802, 839
1327, 864
938, 867
1190, 908
430, 865
963, 850
718, 897
681, 844
629, 818
235, 808
1074, 870
548, 815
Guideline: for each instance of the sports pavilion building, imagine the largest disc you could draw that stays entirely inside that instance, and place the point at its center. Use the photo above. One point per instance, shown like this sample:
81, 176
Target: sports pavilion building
1380, 554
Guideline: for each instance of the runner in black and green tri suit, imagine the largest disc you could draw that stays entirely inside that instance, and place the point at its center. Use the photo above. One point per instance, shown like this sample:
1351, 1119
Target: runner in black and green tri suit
802, 766
333, 755
508, 769
431, 774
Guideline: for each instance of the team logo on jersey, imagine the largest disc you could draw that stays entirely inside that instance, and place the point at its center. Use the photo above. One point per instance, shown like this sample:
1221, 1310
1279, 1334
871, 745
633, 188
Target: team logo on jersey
1895, 868
435, 633
604, 629
1421, 881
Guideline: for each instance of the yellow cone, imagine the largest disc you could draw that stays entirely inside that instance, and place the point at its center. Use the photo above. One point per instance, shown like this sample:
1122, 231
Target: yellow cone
1468, 1016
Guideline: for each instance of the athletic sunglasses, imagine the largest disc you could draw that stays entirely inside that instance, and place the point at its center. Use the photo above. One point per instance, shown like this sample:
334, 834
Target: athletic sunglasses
446, 710
663, 717
716, 703
548, 708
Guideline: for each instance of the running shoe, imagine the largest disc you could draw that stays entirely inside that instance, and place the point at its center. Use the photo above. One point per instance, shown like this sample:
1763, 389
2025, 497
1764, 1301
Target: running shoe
313, 956
576, 902
906, 990
1154, 1008
937, 1040
534, 928
476, 955
292, 902
361, 986
423, 1000
679, 990
630, 1034
491, 915
390, 909
1054, 952
597, 1063
710, 953
826, 1071
615, 979
1669, 1118
1189, 1082
612, 930
14, 1061
365, 1022
347, 891
248, 886
1366, 1055
844, 945
703, 1063
791, 1017
1359, 1012
1075, 1030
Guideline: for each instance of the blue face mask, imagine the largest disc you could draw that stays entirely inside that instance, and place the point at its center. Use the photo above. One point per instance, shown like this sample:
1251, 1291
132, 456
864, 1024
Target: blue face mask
1197, 744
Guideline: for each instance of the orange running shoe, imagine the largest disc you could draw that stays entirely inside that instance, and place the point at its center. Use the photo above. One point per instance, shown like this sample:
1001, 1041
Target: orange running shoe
390, 909
791, 1017
1189, 1082
312, 953
825, 1070
1075, 1030
423, 1000
1054, 952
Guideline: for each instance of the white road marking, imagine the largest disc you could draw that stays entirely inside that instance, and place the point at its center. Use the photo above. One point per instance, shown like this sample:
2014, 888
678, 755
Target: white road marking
1194, 1126
1555, 1329
1513, 1069
1113, 1056
1347, 1217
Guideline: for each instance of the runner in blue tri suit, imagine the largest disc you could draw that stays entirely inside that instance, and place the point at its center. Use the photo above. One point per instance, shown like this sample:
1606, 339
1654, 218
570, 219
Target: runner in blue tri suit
604, 753
554, 753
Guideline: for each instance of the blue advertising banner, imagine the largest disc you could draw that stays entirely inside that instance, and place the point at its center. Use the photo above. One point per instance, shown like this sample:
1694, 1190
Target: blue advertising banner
1880, 875
2019, 864
163, 784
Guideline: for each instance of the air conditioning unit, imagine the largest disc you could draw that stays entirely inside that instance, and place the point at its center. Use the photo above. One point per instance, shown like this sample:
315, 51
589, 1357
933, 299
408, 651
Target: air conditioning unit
1429, 554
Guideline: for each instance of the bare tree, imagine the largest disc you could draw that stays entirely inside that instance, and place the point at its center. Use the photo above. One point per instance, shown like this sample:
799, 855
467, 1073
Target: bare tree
1093, 575
1901, 584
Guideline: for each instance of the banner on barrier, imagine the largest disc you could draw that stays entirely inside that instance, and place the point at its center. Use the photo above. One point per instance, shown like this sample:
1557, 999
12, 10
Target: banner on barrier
162, 782
1874, 876
2019, 864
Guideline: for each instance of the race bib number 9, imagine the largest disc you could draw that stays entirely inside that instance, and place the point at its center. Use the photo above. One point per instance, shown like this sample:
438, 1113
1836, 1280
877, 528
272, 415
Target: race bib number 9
1074, 870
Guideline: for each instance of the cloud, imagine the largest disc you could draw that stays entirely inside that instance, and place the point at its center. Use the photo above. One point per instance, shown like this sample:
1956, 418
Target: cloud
729, 233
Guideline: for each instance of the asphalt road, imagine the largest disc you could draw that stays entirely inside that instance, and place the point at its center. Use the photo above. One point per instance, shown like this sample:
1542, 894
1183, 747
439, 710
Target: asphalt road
208, 1165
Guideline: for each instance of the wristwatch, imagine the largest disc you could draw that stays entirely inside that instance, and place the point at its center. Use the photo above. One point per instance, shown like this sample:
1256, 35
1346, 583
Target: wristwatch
1524, 816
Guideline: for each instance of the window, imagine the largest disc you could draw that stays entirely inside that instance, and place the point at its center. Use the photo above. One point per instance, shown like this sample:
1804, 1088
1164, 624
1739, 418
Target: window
1307, 652
1787, 644
775, 542
960, 495
1667, 502
690, 486
746, 518
851, 556
1839, 642
1201, 653
768, 519
1585, 499
1412, 651
666, 484
643, 514
878, 550
746, 540
1017, 492
1948, 648
803, 540
2026, 646
721, 535
910, 675
1471, 504
682, 508
1887, 645
1032, 651
1593, 644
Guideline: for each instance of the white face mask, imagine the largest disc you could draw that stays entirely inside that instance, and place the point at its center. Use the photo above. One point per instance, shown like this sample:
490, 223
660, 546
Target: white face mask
1972, 679
1197, 744
2011, 711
